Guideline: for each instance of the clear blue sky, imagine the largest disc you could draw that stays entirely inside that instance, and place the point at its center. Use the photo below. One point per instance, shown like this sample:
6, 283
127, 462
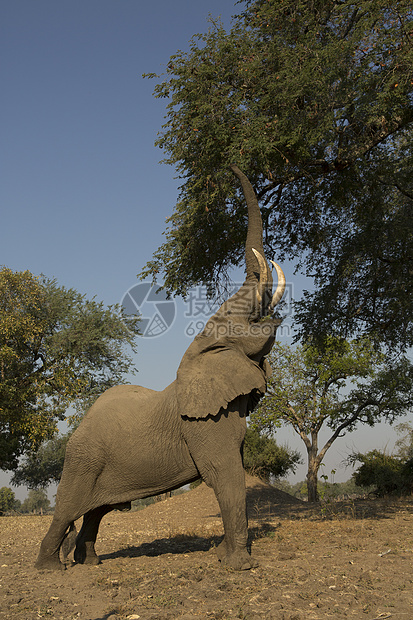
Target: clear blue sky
83, 195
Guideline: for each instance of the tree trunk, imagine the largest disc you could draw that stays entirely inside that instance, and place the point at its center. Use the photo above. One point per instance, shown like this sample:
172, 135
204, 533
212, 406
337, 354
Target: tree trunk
312, 491
312, 478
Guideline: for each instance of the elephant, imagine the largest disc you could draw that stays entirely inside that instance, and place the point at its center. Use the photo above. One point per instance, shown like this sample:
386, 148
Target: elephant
135, 442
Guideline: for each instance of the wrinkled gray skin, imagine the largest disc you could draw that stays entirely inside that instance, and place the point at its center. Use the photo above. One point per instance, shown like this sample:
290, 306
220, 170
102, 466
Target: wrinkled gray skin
135, 442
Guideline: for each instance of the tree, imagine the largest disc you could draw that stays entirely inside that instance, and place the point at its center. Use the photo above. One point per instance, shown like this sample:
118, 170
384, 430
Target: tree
36, 501
404, 445
7, 500
314, 102
43, 467
264, 458
56, 349
337, 386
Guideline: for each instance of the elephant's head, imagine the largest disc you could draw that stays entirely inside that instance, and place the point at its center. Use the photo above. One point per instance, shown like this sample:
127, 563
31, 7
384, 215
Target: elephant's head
227, 359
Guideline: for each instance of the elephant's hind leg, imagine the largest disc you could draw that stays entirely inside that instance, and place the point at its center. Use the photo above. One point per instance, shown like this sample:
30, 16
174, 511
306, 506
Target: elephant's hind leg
85, 543
48, 557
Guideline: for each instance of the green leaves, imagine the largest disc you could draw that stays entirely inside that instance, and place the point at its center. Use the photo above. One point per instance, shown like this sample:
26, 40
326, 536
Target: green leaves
314, 102
56, 349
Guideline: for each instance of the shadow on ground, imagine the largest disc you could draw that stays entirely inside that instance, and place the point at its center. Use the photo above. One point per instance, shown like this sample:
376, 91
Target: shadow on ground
182, 543
161, 546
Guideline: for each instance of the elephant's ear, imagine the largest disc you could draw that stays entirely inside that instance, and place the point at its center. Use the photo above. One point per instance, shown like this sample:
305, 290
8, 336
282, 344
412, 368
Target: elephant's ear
210, 380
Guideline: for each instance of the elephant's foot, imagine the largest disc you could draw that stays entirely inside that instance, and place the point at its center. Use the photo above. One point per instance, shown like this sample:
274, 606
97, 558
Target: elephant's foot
86, 554
238, 559
50, 562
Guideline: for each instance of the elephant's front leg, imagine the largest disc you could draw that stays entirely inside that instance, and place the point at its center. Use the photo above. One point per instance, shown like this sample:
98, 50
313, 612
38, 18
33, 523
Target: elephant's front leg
215, 446
231, 497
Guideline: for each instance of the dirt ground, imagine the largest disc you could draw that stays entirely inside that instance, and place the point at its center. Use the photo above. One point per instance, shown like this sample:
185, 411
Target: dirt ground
350, 560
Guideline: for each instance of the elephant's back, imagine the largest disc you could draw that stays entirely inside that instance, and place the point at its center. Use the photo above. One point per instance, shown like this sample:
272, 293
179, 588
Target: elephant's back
120, 404
127, 411
124, 391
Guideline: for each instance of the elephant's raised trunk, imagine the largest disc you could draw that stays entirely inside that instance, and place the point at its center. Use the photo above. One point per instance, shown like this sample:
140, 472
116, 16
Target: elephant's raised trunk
254, 235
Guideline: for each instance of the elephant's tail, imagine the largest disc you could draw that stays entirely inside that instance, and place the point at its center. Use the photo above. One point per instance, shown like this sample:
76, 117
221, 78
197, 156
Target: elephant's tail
69, 541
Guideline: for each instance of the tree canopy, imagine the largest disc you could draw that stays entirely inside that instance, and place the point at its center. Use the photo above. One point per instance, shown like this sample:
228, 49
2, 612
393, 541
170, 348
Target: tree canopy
314, 102
57, 349
335, 387
36, 502
44, 466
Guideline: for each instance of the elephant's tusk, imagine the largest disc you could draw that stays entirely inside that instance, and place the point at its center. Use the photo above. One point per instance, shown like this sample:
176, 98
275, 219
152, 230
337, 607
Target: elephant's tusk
263, 275
280, 286
262, 263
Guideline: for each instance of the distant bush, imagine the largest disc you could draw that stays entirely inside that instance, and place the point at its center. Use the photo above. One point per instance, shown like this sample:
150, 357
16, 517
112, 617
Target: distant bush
7, 500
138, 504
326, 490
264, 458
388, 474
